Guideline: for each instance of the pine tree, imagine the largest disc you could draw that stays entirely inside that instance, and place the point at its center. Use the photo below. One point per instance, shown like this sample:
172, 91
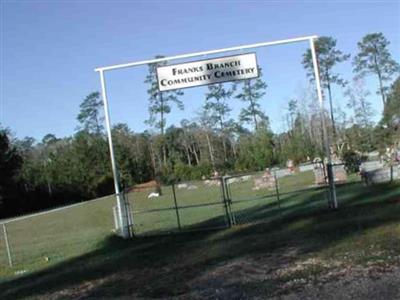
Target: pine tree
374, 58
252, 92
160, 103
90, 114
218, 110
328, 57
362, 114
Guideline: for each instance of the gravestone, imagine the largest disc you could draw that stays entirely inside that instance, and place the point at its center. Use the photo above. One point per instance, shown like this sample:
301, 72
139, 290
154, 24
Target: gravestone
383, 174
290, 165
339, 173
319, 174
369, 166
266, 181
306, 167
283, 172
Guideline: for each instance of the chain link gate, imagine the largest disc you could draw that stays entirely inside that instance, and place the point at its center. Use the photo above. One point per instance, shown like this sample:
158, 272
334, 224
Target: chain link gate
226, 201
182, 207
267, 196
247, 204
222, 202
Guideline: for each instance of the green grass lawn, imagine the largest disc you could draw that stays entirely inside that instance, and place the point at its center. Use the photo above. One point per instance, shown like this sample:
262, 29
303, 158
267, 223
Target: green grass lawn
56, 235
152, 216
47, 239
47, 242
365, 231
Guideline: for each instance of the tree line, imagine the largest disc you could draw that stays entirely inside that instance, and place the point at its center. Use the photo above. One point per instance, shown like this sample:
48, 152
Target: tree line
40, 174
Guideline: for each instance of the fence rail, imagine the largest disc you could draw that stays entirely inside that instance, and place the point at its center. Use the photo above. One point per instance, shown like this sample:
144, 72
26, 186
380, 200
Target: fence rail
188, 206
54, 235
217, 202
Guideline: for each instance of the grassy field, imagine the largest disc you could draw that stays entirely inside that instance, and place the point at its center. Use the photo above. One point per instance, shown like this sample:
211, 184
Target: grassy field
367, 214
269, 259
153, 215
47, 239
56, 236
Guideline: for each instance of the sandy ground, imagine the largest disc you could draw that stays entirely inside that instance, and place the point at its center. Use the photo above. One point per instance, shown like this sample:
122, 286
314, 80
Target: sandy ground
280, 276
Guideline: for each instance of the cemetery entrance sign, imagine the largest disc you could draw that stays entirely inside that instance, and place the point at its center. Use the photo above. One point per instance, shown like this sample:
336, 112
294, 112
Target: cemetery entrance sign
190, 74
202, 72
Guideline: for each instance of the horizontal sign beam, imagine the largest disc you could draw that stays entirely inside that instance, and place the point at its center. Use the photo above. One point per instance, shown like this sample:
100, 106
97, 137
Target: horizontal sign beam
151, 61
210, 71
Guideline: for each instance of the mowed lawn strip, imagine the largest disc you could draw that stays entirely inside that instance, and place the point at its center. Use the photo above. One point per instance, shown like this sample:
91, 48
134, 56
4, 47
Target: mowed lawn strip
364, 232
56, 236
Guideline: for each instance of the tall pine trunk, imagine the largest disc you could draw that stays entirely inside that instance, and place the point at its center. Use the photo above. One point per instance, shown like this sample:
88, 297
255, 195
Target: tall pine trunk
193, 150
381, 89
378, 71
210, 149
252, 106
331, 111
153, 158
188, 156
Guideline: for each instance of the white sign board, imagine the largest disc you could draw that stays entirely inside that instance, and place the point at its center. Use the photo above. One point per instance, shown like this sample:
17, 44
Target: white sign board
202, 72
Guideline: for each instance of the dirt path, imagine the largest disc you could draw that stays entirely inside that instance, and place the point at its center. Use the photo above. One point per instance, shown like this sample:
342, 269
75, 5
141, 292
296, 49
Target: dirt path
385, 287
277, 277
288, 279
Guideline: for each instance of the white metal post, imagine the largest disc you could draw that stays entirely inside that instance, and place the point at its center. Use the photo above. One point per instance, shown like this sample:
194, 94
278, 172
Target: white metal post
10, 262
332, 191
122, 213
116, 219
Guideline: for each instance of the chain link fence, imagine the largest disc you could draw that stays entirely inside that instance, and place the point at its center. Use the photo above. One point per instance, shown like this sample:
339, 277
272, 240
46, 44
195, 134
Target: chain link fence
63, 233
229, 200
5, 257
186, 206
54, 235
236, 199
265, 196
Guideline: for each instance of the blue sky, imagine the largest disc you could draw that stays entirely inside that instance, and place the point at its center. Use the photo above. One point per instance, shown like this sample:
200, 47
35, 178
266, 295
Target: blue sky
49, 50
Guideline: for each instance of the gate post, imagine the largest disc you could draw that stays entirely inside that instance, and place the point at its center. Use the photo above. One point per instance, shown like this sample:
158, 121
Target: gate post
10, 261
128, 210
332, 191
278, 198
178, 219
391, 173
121, 204
226, 200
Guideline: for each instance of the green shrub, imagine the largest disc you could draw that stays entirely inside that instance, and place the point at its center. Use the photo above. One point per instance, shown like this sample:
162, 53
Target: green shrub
352, 161
184, 172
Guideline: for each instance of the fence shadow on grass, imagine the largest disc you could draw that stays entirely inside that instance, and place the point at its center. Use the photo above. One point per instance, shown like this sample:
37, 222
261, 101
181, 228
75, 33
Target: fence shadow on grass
164, 266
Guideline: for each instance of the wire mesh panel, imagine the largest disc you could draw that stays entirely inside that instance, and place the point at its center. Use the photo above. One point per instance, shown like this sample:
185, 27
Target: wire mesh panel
150, 199
198, 192
153, 210
201, 205
3, 249
268, 195
252, 197
238, 199
297, 181
249, 186
56, 235
185, 206
161, 221
255, 210
206, 216
302, 202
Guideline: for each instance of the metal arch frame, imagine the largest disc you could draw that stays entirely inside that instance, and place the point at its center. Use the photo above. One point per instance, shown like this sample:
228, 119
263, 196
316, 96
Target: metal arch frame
123, 214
